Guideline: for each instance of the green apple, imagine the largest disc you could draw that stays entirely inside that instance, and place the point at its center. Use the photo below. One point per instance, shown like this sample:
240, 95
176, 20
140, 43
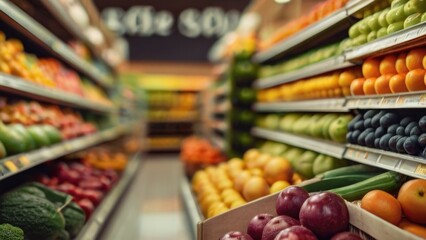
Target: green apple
397, 3
409, 8
314, 119
339, 128
395, 27
271, 121
316, 128
372, 36
293, 155
354, 30
419, 5
363, 26
305, 164
360, 40
412, 20
382, 18
368, 12
373, 22
396, 15
326, 124
423, 17
288, 120
382, 32
301, 124
324, 163
278, 149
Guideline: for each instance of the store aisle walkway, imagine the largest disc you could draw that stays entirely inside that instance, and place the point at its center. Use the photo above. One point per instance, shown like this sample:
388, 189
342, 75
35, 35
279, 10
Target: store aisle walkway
151, 209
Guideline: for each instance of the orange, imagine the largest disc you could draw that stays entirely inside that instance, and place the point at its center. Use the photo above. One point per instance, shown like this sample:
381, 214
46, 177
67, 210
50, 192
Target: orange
412, 196
413, 228
241, 179
383, 205
400, 65
346, 78
277, 169
388, 65
278, 186
381, 84
415, 80
424, 62
397, 83
368, 86
414, 58
346, 91
296, 178
371, 68
254, 188
357, 86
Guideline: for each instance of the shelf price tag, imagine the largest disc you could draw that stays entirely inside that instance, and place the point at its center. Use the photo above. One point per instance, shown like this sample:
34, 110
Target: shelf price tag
24, 160
422, 99
11, 166
421, 169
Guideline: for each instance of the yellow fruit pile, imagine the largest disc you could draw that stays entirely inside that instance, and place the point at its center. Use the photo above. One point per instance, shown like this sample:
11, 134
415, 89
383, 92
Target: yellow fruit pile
232, 184
335, 84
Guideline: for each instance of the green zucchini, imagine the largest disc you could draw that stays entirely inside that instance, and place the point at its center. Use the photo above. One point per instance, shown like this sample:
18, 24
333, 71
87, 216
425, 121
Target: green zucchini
335, 182
350, 170
388, 181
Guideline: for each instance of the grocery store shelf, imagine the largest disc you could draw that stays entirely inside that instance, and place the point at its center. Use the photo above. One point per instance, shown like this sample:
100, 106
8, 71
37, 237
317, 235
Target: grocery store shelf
171, 120
24, 161
14, 15
192, 211
388, 101
94, 225
222, 108
222, 90
218, 125
58, 10
20, 86
324, 66
218, 141
405, 164
407, 38
318, 145
318, 105
322, 29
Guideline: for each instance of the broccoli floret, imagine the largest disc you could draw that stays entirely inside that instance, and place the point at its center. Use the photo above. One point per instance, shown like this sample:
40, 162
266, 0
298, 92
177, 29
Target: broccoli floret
9, 232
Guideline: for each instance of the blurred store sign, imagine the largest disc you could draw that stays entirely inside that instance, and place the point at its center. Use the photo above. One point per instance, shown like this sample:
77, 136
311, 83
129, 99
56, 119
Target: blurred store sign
171, 30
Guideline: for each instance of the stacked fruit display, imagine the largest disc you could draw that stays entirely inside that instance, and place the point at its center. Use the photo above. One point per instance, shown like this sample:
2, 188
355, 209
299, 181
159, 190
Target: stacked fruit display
329, 85
300, 216
262, 172
390, 131
242, 73
331, 126
318, 12
105, 159
69, 122
410, 202
393, 73
39, 212
46, 71
305, 59
195, 150
401, 14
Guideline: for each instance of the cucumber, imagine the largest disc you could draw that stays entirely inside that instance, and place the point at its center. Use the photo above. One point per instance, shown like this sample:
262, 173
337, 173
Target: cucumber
335, 182
388, 181
350, 170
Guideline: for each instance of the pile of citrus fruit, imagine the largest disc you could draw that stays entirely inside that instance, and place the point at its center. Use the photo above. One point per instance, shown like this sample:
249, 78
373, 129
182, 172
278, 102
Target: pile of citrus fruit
393, 73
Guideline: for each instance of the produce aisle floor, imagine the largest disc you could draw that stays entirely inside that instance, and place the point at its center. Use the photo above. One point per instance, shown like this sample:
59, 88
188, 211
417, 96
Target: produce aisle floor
151, 208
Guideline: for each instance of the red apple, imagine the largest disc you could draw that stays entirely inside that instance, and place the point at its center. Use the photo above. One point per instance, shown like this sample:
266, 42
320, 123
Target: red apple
325, 214
276, 225
236, 235
290, 200
296, 233
256, 225
412, 196
346, 236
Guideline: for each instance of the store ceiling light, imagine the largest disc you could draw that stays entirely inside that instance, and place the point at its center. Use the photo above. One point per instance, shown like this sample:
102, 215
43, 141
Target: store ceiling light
282, 1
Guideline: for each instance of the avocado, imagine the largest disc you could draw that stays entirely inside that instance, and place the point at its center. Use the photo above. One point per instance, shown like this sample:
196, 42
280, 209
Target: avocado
12, 140
40, 137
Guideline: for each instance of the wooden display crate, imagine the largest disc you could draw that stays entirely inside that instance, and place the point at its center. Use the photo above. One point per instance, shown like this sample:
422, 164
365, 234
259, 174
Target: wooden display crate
371, 226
